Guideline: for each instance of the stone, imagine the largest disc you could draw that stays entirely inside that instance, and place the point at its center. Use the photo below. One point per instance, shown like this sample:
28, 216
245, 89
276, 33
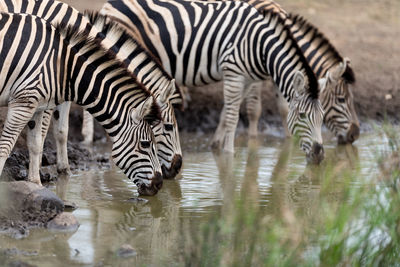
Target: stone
18, 252
126, 251
138, 200
20, 264
70, 206
28, 202
63, 222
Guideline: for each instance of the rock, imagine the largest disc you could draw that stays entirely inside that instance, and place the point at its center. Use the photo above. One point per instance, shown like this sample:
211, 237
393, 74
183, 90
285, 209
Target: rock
28, 202
138, 200
126, 251
18, 252
69, 206
15, 168
15, 230
63, 222
20, 264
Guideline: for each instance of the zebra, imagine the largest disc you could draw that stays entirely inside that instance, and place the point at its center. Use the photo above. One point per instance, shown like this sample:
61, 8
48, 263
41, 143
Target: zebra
149, 71
203, 42
158, 81
337, 98
44, 66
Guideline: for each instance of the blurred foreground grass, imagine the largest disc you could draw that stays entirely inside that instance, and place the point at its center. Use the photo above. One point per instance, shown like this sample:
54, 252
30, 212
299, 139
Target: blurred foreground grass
361, 227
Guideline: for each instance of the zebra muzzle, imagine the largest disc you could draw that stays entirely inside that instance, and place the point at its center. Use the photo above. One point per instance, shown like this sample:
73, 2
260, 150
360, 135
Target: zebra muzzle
153, 188
316, 154
352, 135
176, 165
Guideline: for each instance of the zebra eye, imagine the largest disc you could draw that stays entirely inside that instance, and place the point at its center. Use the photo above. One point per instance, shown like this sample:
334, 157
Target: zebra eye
341, 100
169, 127
302, 115
145, 144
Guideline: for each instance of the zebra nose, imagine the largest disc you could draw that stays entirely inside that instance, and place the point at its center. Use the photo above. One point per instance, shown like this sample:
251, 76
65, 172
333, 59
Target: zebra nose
177, 163
353, 133
317, 153
152, 189
157, 181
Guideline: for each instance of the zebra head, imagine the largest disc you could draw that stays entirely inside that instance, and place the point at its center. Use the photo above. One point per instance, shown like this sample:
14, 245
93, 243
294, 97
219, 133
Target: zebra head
337, 101
167, 135
134, 149
305, 119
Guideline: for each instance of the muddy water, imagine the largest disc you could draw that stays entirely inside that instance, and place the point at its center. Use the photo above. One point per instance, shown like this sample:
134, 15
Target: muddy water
269, 174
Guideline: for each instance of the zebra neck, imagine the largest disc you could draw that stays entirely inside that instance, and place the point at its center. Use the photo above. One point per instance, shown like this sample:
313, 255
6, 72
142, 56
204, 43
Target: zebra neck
282, 57
106, 90
317, 49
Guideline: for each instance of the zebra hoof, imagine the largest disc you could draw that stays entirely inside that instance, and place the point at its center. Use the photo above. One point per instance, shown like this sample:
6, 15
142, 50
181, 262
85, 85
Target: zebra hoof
216, 145
65, 171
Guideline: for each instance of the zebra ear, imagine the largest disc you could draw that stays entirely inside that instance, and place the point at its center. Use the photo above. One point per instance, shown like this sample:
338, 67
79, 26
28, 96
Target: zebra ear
299, 83
180, 98
167, 93
144, 109
339, 70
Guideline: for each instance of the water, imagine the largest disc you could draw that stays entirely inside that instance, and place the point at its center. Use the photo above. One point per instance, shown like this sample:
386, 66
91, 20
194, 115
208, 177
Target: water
270, 174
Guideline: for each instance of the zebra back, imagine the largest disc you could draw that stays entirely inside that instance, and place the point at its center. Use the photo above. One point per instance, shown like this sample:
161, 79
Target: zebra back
203, 42
52, 11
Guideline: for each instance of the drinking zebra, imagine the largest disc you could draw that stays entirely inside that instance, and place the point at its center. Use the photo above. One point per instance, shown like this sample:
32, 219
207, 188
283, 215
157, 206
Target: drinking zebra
337, 98
147, 70
150, 74
44, 66
203, 42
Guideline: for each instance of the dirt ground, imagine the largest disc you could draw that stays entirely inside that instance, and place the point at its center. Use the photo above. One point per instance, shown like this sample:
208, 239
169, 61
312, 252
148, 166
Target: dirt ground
367, 31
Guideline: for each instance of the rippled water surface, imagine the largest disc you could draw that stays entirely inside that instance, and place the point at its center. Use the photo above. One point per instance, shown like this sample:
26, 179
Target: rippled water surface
270, 173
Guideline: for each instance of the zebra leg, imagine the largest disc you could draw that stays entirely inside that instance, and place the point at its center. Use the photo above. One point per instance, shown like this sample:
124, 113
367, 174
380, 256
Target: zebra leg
34, 142
45, 128
233, 96
283, 108
87, 128
60, 131
253, 107
18, 115
220, 132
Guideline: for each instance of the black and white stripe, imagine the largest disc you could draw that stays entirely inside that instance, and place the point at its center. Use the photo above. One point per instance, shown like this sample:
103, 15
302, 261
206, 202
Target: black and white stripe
337, 98
147, 70
47, 66
203, 42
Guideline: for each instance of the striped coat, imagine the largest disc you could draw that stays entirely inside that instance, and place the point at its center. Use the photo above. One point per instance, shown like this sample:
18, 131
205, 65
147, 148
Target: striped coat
47, 66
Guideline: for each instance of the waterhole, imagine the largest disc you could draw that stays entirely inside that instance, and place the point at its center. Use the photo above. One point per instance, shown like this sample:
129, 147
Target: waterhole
268, 174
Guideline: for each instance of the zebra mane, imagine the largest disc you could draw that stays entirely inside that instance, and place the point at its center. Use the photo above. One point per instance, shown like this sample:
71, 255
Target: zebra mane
82, 42
301, 22
312, 82
110, 27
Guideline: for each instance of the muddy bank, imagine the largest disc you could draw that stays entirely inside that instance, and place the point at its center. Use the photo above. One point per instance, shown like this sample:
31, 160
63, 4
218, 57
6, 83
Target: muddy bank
80, 157
26, 205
